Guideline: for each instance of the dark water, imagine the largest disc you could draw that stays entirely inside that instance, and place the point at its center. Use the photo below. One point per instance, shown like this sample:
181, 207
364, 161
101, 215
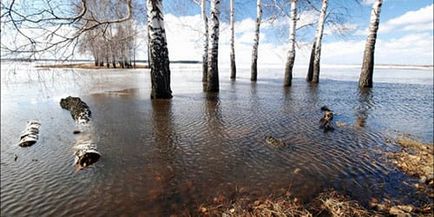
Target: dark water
170, 156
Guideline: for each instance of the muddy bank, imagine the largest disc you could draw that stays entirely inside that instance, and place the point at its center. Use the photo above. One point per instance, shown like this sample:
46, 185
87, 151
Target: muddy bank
327, 203
415, 159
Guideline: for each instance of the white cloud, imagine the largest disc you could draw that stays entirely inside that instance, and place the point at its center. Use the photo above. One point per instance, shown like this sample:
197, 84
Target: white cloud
185, 42
184, 36
419, 20
368, 2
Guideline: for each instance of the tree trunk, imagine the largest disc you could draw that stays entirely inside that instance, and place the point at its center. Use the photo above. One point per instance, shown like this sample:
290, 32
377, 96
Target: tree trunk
149, 39
254, 67
96, 61
232, 54
205, 41
160, 70
367, 72
134, 57
310, 70
213, 73
317, 48
291, 53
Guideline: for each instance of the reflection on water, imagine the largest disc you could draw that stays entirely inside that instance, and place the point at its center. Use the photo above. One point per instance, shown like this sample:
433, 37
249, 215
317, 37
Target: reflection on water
365, 104
169, 156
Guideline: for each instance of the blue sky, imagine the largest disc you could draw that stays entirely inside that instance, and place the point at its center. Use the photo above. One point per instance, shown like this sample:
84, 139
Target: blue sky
405, 35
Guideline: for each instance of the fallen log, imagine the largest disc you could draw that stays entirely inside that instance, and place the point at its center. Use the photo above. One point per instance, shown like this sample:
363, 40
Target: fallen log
85, 148
30, 134
80, 111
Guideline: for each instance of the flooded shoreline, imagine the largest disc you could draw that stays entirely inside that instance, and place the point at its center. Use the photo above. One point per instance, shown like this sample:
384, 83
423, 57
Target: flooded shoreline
162, 157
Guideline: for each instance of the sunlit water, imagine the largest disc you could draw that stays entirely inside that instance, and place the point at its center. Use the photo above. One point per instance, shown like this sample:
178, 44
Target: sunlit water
170, 156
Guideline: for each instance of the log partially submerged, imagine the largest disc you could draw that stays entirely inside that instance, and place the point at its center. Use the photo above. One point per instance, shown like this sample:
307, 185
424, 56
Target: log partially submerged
86, 152
30, 134
326, 121
80, 111
276, 143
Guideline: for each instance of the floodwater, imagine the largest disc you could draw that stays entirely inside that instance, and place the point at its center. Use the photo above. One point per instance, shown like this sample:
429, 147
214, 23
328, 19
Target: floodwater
170, 156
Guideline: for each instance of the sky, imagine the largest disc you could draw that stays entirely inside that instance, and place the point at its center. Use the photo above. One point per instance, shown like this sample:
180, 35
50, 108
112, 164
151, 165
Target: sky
405, 33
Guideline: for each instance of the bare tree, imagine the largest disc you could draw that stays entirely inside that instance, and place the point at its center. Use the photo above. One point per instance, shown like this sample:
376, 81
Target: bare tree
50, 20
314, 64
213, 74
365, 79
291, 52
160, 70
232, 54
254, 66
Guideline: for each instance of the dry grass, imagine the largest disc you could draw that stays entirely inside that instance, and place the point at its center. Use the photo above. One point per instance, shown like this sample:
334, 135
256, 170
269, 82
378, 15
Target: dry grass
329, 203
416, 159
84, 66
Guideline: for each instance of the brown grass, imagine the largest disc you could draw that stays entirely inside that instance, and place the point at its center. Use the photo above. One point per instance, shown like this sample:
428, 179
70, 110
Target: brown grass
85, 66
328, 203
416, 159
331, 203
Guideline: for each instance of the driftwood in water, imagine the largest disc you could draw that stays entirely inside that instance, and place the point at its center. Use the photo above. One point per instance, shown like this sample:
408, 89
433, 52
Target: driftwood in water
86, 153
30, 134
80, 111
326, 121
85, 149
274, 142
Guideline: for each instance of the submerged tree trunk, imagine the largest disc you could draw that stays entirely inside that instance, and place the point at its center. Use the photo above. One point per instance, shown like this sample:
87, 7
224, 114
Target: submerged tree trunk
213, 73
291, 53
232, 55
205, 41
365, 79
310, 70
317, 44
160, 71
254, 67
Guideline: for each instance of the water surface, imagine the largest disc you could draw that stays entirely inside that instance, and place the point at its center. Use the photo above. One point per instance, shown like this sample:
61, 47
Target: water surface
170, 156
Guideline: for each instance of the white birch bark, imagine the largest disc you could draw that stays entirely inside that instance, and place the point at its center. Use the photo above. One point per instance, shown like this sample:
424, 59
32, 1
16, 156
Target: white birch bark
213, 74
291, 52
367, 71
254, 66
205, 41
160, 71
232, 54
314, 68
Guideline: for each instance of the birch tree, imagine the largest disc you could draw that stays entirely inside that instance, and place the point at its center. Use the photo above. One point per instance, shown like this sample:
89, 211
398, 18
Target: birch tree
232, 54
254, 67
367, 71
291, 52
205, 41
213, 74
314, 64
160, 71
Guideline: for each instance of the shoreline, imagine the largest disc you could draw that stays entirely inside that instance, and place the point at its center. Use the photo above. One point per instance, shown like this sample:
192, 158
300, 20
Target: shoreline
87, 66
